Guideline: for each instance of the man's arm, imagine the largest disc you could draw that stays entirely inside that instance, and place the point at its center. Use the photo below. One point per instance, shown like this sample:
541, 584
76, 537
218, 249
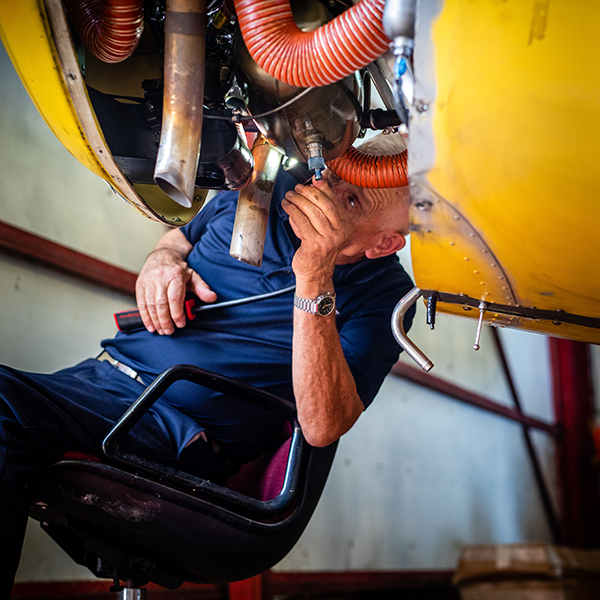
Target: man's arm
326, 397
163, 282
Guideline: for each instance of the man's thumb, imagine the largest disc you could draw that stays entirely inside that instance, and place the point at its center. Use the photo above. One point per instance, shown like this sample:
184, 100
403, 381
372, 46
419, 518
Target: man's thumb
201, 289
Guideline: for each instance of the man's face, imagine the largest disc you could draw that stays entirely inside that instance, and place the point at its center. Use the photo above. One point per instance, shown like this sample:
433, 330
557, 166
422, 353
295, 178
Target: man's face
371, 213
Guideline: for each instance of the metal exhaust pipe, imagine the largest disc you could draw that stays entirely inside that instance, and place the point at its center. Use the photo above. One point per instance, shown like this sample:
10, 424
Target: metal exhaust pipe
254, 202
185, 50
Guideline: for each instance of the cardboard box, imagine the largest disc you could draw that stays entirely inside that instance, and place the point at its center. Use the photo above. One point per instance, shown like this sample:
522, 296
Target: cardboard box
528, 572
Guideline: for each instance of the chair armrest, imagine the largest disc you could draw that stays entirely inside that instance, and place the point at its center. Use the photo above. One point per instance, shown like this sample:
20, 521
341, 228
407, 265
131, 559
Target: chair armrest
219, 383
190, 483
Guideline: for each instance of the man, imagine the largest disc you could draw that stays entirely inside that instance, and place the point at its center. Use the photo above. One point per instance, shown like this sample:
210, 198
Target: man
338, 240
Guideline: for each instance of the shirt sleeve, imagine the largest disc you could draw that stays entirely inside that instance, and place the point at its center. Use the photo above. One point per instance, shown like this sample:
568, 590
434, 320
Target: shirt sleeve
368, 343
197, 226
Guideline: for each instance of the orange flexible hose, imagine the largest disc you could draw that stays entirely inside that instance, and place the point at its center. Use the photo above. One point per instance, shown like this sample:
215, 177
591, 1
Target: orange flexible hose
311, 59
370, 171
110, 29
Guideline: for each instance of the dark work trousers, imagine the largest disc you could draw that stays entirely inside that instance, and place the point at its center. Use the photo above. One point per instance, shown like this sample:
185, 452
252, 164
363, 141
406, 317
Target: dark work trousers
43, 416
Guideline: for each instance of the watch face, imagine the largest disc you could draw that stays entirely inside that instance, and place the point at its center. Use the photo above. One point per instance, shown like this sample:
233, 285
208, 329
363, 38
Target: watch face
325, 306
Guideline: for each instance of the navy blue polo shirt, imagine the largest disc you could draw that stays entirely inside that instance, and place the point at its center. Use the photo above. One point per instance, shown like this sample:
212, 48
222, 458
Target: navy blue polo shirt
253, 342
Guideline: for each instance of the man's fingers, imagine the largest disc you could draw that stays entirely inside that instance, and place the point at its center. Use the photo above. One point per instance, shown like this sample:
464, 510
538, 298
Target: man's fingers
143, 308
176, 297
310, 213
149, 310
321, 207
197, 285
325, 188
162, 309
161, 288
300, 223
320, 192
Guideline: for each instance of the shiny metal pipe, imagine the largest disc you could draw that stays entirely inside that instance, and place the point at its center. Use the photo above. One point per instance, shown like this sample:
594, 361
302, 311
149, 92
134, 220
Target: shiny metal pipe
132, 594
237, 165
185, 50
399, 21
254, 202
398, 329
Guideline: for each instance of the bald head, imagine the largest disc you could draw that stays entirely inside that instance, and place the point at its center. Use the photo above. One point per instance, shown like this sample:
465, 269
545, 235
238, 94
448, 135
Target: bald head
379, 218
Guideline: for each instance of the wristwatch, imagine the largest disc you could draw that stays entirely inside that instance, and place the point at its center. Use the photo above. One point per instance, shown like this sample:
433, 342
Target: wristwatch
321, 306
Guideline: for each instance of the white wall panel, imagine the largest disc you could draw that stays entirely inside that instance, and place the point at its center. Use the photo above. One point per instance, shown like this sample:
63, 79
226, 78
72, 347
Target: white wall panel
49, 321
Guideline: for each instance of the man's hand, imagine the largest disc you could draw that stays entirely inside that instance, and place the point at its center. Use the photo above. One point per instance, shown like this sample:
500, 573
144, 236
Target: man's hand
163, 282
321, 222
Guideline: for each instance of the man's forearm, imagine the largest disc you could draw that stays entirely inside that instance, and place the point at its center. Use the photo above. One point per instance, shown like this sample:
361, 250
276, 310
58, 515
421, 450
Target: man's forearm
326, 397
174, 241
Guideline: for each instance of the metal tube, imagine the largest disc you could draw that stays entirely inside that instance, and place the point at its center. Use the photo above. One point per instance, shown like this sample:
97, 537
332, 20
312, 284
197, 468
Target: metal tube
399, 22
399, 333
185, 49
254, 202
399, 25
482, 309
132, 594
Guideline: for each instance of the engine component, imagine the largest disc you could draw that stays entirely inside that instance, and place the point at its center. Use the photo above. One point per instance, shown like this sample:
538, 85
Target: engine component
399, 25
370, 171
225, 160
286, 114
378, 119
314, 150
110, 29
185, 46
254, 201
309, 59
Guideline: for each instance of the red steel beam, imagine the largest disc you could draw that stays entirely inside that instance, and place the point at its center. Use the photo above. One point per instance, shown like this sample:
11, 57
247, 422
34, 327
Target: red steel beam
248, 589
99, 590
577, 465
42, 251
415, 375
347, 582
268, 585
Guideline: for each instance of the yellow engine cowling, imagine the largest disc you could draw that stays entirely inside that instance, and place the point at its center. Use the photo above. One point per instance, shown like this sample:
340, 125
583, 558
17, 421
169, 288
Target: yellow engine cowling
37, 38
504, 165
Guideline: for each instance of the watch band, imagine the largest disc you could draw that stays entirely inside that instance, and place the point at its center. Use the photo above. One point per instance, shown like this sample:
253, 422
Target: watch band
321, 306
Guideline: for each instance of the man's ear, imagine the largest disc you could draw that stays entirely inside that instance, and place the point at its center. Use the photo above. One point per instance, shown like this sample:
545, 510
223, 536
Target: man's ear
390, 242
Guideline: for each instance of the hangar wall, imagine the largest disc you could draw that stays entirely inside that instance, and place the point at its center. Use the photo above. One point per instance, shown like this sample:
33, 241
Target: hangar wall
420, 475
416, 479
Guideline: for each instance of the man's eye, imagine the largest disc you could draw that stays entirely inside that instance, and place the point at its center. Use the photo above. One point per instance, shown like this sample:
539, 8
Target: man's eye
352, 201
